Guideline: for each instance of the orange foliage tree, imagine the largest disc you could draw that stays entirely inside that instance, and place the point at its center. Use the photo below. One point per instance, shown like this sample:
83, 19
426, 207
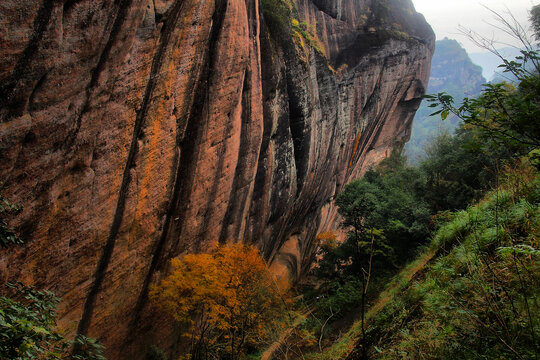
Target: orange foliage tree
228, 298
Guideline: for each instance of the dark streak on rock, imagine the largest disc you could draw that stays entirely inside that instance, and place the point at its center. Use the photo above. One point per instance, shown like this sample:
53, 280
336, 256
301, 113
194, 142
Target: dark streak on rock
366, 142
106, 255
37, 87
298, 128
272, 85
188, 145
237, 197
22, 74
122, 9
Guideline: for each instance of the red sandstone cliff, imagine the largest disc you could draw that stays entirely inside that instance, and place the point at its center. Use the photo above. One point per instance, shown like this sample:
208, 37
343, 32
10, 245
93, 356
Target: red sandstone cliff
133, 131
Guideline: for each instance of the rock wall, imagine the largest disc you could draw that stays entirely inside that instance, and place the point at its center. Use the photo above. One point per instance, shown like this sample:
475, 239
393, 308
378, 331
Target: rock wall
133, 131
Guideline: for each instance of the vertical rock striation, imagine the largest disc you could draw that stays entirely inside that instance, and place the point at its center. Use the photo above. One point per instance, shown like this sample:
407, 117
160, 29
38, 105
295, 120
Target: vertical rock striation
133, 131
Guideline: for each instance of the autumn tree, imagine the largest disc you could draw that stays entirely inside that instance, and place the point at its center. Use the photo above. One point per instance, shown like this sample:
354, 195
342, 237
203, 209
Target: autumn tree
227, 298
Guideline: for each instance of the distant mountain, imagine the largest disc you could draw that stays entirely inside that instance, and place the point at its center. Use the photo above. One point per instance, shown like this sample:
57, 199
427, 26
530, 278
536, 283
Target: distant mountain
453, 72
490, 62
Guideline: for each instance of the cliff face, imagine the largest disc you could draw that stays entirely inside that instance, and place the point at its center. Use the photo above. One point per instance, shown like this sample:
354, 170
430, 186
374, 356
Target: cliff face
133, 131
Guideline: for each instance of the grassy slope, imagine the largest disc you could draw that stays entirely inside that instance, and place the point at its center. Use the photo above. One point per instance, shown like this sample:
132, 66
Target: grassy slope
473, 294
347, 343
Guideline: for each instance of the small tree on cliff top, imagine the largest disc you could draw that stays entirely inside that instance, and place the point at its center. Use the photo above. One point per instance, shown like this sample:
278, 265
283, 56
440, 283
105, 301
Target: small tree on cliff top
227, 298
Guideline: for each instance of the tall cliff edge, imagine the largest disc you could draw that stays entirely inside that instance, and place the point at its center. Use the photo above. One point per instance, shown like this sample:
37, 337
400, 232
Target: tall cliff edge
133, 131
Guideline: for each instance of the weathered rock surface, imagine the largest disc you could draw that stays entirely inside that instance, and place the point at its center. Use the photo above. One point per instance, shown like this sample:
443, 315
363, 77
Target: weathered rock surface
133, 131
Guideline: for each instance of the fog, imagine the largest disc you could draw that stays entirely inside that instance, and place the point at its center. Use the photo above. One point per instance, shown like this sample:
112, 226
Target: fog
446, 16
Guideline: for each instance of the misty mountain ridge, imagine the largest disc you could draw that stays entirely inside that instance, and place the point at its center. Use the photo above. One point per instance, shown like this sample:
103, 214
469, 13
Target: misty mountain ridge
489, 62
453, 72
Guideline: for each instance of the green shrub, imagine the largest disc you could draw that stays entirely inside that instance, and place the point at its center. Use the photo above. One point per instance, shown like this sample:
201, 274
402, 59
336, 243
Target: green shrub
155, 353
7, 235
28, 329
304, 33
277, 15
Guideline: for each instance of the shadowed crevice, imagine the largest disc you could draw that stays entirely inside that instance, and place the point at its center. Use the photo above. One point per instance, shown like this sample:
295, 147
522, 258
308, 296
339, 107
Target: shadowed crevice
107, 251
69, 5
185, 169
123, 6
37, 88
10, 97
299, 131
237, 197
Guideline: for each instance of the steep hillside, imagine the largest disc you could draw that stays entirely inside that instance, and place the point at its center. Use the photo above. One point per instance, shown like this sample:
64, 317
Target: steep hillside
453, 72
133, 131
470, 293
478, 297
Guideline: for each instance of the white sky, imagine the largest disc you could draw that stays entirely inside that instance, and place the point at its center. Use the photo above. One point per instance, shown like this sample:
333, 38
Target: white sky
445, 16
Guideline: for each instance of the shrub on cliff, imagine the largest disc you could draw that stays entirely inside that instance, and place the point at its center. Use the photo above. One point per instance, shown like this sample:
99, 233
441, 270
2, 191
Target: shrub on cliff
304, 34
277, 15
227, 298
28, 329
7, 235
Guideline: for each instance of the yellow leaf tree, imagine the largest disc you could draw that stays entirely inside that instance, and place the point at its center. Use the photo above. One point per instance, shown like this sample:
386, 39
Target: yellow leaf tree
227, 298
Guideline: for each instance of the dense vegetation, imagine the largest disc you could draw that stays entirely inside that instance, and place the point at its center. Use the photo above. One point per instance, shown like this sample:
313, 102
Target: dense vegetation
473, 290
391, 213
479, 299
28, 329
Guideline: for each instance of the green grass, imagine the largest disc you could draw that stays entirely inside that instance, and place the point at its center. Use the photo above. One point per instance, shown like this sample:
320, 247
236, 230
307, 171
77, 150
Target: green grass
471, 294
399, 283
473, 303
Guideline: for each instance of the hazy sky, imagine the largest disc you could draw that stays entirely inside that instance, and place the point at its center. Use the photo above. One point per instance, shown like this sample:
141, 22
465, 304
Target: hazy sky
445, 16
